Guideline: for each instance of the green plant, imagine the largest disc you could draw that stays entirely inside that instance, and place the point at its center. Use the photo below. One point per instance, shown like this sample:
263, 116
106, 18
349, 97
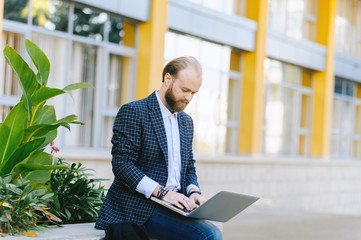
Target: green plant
21, 206
31, 125
78, 196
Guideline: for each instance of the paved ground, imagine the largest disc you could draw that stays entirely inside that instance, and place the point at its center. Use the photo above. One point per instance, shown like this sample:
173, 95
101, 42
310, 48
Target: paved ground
261, 224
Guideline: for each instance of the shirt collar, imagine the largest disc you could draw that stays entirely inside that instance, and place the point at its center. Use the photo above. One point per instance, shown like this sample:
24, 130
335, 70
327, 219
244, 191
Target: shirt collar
164, 110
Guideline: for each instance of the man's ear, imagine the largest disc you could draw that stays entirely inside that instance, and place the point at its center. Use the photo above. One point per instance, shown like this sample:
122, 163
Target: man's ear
168, 79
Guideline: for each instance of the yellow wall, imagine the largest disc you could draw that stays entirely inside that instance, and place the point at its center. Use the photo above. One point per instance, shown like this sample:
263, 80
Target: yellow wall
151, 49
323, 81
252, 102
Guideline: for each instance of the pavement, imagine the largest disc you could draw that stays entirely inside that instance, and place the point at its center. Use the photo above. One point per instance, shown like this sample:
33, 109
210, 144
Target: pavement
269, 224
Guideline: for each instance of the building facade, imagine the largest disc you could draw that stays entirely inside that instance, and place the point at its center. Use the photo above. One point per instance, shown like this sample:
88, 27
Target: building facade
279, 111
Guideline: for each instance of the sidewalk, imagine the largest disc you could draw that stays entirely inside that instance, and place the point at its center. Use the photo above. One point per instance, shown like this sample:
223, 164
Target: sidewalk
264, 224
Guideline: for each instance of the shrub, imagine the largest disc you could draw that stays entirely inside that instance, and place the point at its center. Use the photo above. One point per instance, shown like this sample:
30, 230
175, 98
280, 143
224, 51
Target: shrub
78, 196
21, 206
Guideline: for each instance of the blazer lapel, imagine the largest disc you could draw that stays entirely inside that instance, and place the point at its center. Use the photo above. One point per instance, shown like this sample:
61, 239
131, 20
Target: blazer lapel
158, 124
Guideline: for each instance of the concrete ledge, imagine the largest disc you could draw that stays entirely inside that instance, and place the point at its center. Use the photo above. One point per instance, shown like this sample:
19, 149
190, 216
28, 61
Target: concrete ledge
81, 231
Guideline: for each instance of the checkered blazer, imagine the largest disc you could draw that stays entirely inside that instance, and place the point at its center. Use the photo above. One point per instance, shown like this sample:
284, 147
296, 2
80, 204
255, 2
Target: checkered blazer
139, 149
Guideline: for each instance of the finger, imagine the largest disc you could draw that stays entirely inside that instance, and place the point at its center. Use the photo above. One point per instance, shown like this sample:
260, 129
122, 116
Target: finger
178, 205
184, 203
191, 203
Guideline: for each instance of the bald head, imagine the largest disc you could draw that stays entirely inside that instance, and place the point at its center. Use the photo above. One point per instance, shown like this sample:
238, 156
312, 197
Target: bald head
180, 63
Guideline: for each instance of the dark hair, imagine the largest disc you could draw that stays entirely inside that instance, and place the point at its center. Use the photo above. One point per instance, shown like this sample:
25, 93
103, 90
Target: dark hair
180, 63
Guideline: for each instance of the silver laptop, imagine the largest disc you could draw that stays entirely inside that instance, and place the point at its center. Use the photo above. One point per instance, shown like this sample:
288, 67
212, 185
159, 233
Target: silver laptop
221, 207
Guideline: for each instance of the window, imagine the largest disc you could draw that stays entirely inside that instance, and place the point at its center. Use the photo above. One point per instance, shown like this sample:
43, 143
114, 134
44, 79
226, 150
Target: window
83, 45
52, 15
287, 118
16, 10
295, 18
348, 27
346, 120
210, 108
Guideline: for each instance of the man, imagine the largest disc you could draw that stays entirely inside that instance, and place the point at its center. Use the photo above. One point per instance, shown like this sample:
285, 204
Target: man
152, 155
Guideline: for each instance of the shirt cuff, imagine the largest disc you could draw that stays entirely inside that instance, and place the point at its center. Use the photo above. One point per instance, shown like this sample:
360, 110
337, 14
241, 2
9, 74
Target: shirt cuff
146, 186
190, 187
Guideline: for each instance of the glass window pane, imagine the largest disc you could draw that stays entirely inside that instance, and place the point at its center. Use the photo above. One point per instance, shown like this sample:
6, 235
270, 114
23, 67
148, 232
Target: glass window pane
305, 121
336, 113
346, 123
118, 73
292, 74
88, 23
116, 31
9, 83
303, 145
338, 85
83, 70
273, 71
349, 88
334, 145
51, 14
358, 120
357, 149
288, 120
209, 107
107, 132
274, 111
16, 10
345, 148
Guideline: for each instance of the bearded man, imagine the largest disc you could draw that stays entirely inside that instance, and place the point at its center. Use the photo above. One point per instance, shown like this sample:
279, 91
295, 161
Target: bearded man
153, 156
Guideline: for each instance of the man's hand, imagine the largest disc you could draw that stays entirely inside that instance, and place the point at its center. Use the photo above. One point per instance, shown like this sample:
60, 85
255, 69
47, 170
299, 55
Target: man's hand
179, 200
197, 198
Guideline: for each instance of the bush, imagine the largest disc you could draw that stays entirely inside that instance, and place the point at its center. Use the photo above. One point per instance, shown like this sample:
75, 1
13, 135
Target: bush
78, 197
21, 206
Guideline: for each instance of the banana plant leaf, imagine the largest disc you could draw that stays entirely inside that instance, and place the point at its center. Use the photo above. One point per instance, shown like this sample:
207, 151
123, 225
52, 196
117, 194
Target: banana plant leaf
20, 155
40, 60
26, 76
12, 131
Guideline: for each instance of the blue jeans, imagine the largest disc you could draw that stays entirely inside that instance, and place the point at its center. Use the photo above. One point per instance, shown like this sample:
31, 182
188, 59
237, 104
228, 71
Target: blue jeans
165, 224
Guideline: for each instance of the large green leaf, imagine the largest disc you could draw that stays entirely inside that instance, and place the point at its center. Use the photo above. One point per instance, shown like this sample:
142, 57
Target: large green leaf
37, 168
45, 114
38, 131
26, 76
76, 86
40, 60
12, 131
43, 94
20, 155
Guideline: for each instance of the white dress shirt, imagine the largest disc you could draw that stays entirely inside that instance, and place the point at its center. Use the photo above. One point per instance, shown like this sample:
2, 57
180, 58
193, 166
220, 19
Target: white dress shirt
146, 186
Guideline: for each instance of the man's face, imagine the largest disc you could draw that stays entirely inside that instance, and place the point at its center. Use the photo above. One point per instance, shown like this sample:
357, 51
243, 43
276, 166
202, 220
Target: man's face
181, 89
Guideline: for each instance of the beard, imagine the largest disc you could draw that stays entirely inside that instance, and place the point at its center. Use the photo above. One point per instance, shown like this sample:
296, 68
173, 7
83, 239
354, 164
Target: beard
174, 104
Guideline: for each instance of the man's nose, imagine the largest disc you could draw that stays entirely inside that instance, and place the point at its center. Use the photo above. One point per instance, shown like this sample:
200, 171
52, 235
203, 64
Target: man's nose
188, 97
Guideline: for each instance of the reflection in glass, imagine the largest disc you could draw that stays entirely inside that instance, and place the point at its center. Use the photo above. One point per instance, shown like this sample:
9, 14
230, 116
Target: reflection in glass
208, 108
84, 58
9, 84
16, 10
118, 73
338, 86
116, 31
51, 14
89, 24
287, 116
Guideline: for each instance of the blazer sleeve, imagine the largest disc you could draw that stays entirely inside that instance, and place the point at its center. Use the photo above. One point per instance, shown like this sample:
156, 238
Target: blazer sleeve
126, 145
191, 176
